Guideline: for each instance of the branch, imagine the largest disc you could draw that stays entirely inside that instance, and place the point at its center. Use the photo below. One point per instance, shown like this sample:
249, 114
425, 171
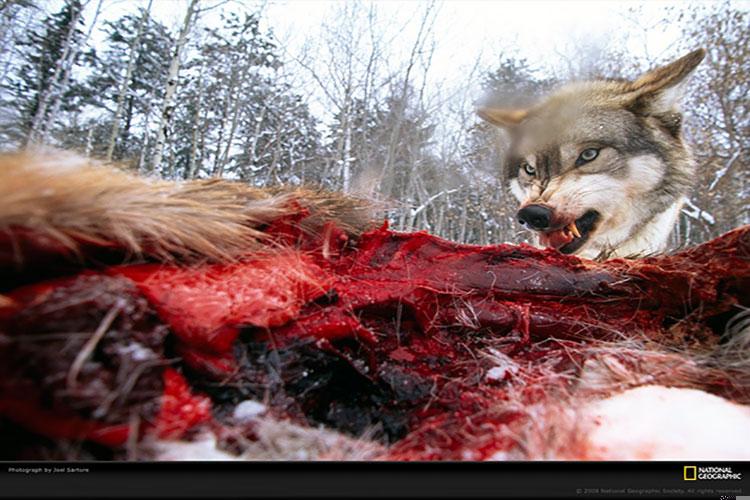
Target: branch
721, 173
432, 198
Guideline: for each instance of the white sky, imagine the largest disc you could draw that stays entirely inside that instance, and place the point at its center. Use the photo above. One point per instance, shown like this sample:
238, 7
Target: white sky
466, 28
465, 31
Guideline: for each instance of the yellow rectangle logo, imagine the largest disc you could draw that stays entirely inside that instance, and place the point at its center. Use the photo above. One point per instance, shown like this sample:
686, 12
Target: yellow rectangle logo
690, 473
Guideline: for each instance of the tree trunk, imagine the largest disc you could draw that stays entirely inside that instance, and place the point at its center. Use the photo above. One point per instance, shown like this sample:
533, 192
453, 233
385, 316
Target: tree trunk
216, 172
144, 140
128, 120
346, 166
89, 140
125, 84
196, 121
46, 95
440, 216
167, 107
235, 117
462, 223
256, 136
59, 94
9, 39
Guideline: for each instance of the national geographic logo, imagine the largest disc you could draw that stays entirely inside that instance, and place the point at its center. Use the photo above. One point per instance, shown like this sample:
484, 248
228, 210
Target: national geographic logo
694, 473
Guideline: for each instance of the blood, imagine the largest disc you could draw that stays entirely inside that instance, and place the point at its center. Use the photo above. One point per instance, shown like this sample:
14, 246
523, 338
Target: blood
180, 410
433, 347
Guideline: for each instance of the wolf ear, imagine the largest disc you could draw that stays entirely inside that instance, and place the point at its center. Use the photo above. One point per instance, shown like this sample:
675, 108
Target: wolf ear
502, 117
661, 89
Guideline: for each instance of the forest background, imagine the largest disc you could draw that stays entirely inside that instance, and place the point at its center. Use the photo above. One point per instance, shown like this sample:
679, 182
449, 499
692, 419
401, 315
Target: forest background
375, 98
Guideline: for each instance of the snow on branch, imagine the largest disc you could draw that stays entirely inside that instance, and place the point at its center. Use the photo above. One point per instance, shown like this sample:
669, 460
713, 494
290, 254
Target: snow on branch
697, 213
722, 172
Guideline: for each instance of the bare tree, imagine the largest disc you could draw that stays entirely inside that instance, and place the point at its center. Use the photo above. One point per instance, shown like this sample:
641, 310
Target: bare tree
61, 76
417, 49
16, 18
348, 75
125, 83
167, 107
718, 121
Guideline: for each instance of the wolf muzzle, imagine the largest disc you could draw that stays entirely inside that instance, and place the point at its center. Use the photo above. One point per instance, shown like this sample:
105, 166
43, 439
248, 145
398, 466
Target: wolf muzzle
537, 217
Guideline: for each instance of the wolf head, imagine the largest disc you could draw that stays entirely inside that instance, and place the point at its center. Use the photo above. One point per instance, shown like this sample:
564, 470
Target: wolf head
600, 167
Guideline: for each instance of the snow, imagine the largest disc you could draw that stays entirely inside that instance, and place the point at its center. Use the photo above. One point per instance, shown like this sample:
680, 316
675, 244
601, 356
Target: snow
498, 372
248, 410
721, 173
663, 423
138, 352
697, 213
203, 448
504, 366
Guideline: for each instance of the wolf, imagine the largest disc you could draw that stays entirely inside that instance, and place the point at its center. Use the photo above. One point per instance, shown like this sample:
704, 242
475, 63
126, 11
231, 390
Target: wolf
600, 167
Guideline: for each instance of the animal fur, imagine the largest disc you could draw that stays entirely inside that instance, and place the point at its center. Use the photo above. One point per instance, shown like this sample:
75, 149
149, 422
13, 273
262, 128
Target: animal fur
73, 200
626, 199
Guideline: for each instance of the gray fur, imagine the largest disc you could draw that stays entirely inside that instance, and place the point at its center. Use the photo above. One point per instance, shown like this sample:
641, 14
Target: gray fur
643, 167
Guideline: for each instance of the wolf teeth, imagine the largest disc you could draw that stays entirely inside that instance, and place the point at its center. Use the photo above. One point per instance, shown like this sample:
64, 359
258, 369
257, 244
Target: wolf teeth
574, 229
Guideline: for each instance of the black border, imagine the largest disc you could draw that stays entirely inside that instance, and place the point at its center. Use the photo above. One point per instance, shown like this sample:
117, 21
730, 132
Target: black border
550, 479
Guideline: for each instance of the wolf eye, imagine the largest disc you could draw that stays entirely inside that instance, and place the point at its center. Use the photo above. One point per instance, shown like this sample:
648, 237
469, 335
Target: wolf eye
587, 155
530, 170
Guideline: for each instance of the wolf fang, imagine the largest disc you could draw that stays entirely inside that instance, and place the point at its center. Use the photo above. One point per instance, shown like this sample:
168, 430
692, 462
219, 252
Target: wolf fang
635, 184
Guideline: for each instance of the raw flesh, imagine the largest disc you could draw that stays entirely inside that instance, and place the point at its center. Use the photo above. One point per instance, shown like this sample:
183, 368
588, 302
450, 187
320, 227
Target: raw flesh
440, 351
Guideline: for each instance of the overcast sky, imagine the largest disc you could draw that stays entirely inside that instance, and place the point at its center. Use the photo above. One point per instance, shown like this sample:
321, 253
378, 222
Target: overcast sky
468, 28
469, 36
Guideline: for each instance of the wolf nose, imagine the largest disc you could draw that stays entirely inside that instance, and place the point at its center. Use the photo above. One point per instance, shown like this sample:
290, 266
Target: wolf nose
535, 217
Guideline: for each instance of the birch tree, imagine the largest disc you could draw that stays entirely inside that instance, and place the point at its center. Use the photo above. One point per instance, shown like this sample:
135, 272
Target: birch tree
43, 58
58, 96
67, 52
167, 107
349, 74
125, 82
113, 102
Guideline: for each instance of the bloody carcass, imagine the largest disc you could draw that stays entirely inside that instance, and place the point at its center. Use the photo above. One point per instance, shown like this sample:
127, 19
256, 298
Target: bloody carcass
433, 349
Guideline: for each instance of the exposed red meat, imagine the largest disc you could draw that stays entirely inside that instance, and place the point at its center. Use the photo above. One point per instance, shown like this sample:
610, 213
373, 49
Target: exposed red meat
422, 338
179, 409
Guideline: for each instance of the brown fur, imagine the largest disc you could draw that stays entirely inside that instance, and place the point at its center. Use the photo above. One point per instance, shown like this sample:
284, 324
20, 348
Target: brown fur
72, 199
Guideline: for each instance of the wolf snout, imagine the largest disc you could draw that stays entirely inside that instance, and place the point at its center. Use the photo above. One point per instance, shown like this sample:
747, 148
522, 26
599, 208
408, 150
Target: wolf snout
537, 217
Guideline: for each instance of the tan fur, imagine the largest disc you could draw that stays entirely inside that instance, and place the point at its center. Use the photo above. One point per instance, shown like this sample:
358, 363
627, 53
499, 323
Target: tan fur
72, 199
667, 76
502, 117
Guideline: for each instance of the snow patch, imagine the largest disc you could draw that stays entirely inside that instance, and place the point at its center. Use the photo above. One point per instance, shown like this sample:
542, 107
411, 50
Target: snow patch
203, 448
137, 352
248, 410
663, 423
504, 367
